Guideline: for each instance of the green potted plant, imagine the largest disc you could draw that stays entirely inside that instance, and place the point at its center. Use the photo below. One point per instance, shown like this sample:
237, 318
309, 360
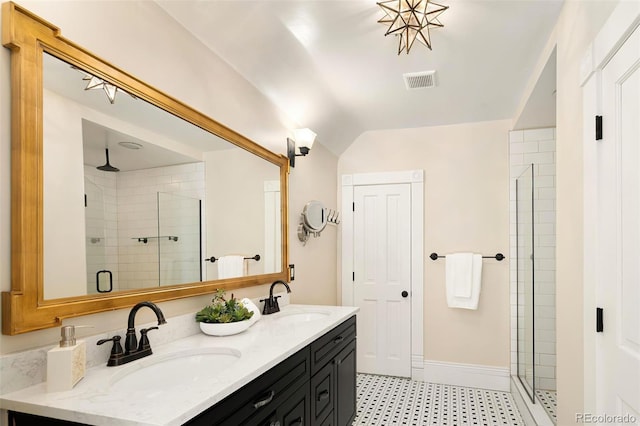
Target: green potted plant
224, 317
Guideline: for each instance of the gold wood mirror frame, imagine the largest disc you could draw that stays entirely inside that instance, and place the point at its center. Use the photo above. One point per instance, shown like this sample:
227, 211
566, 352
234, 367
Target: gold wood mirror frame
24, 308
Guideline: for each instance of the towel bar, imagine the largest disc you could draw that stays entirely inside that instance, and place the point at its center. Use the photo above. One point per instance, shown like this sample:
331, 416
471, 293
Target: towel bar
213, 259
498, 256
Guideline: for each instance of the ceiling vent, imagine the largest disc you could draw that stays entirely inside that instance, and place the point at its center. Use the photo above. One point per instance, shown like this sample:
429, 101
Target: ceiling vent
419, 80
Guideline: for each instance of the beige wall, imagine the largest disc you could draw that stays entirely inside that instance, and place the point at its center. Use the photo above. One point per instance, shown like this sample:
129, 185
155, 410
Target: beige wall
160, 52
313, 178
466, 209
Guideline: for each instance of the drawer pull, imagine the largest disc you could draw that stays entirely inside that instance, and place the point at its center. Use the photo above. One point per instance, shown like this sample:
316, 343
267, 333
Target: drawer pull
338, 339
271, 421
264, 401
323, 395
296, 422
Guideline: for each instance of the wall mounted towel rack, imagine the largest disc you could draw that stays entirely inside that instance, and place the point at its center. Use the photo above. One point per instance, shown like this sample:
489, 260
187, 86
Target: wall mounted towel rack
146, 239
498, 256
212, 259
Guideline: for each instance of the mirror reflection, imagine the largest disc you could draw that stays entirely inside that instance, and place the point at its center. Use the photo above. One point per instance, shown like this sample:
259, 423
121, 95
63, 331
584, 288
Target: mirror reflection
135, 197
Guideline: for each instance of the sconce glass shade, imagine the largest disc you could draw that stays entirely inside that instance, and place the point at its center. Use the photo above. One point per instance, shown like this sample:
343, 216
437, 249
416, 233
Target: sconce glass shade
304, 139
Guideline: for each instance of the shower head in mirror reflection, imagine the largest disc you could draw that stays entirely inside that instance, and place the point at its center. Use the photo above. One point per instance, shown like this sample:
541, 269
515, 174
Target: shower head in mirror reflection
314, 219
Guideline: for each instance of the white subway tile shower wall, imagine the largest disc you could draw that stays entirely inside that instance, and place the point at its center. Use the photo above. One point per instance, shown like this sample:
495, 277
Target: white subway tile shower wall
537, 146
131, 211
138, 217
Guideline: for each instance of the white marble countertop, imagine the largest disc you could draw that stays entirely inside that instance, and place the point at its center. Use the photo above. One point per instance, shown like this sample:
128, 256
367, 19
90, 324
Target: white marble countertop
96, 401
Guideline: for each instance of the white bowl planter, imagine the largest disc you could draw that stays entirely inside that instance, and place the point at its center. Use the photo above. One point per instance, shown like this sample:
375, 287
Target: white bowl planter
225, 329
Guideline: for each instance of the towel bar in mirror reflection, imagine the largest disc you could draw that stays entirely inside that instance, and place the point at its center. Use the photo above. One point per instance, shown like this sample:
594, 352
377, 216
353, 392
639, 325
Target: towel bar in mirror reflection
497, 256
213, 259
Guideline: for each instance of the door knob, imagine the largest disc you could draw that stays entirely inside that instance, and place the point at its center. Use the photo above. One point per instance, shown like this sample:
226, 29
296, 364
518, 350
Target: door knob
404, 293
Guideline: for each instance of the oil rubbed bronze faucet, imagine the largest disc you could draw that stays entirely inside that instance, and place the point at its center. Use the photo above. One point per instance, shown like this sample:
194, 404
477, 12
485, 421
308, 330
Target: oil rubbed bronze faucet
132, 349
271, 304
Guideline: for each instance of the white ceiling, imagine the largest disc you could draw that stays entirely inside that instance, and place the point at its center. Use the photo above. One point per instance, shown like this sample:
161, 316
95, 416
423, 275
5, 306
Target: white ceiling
329, 67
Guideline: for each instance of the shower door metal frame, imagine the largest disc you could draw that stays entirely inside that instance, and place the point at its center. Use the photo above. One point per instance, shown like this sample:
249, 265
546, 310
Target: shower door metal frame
526, 386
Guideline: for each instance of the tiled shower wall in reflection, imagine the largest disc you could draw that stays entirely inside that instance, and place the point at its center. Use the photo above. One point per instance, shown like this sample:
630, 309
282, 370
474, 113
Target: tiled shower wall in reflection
101, 226
135, 208
537, 146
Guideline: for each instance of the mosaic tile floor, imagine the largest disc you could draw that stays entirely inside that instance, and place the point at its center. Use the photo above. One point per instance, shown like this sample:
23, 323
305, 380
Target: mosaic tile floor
384, 401
549, 401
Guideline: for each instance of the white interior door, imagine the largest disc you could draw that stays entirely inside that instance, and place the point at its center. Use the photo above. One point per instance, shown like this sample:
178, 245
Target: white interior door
272, 258
382, 278
618, 286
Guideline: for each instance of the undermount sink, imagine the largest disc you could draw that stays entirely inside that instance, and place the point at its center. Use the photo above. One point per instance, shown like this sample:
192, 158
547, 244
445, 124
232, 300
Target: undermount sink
174, 369
298, 317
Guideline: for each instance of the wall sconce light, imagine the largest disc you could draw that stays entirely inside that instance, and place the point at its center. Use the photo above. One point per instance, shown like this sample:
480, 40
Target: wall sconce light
304, 139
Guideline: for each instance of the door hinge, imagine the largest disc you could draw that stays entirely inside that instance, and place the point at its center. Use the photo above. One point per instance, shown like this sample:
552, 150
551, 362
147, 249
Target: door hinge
353, 276
599, 320
598, 127
353, 207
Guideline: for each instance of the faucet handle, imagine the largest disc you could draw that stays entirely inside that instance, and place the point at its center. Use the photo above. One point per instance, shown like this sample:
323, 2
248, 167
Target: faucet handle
144, 339
116, 349
275, 306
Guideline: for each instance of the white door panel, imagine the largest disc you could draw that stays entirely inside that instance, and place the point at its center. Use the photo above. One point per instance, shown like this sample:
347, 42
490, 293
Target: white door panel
382, 266
618, 292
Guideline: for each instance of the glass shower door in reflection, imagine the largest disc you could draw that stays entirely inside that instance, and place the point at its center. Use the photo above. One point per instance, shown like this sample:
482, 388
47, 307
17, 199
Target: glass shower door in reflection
525, 279
179, 239
100, 275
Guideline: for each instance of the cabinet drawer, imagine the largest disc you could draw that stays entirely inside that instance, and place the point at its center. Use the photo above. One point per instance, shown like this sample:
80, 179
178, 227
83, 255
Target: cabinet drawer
260, 397
322, 393
329, 345
295, 412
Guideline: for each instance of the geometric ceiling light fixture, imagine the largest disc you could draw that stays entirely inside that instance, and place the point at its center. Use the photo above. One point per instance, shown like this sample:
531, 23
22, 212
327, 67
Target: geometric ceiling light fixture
97, 83
303, 140
411, 20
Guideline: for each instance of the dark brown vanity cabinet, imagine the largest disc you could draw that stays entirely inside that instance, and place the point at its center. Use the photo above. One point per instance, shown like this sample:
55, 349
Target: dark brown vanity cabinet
282, 392
333, 376
314, 386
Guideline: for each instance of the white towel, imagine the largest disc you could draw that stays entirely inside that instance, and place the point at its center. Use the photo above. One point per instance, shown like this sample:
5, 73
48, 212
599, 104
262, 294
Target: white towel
253, 308
230, 266
463, 275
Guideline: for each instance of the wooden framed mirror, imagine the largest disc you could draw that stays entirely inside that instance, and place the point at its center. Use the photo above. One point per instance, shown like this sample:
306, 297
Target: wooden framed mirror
58, 171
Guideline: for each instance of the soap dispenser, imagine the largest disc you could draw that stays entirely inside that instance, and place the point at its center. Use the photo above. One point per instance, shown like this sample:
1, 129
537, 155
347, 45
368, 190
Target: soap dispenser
66, 363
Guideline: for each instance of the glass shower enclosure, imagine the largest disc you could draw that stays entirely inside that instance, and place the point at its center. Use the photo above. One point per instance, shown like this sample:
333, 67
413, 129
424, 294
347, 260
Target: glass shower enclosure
159, 245
535, 249
525, 279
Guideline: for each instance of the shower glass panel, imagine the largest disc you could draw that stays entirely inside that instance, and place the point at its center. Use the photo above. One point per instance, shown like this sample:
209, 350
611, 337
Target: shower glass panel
179, 239
95, 233
525, 278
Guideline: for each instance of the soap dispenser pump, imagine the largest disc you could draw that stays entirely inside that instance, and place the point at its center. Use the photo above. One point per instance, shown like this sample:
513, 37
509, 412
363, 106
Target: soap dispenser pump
66, 363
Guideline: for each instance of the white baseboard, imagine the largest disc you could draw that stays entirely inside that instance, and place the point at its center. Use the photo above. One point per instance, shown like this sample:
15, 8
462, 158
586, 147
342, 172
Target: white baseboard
417, 367
468, 375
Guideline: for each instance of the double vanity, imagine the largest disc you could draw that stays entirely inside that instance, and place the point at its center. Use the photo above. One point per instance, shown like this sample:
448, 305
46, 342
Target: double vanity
295, 367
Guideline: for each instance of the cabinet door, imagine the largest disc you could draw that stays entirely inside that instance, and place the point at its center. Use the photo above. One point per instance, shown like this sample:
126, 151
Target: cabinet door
345, 402
323, 391
329, 421
296, 411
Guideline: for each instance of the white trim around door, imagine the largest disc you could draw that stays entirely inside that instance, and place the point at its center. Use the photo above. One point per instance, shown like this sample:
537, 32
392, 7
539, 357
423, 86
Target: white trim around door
416, 179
